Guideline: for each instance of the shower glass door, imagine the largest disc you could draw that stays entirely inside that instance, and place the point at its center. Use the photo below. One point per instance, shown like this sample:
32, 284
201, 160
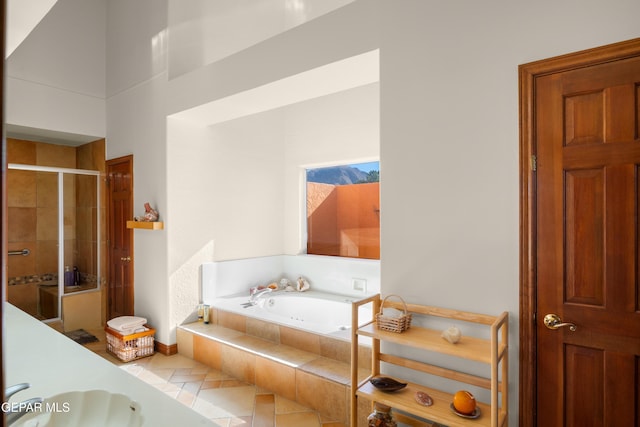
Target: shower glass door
53, 238
81, 233
32, 232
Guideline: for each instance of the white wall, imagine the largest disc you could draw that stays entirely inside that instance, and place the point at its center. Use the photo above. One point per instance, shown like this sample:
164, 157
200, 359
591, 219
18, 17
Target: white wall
21, 18
136, 42
226, 186
343, 34
190, 235
55, 80
333, 129
203, 31
248, 186
449, 141
136, 124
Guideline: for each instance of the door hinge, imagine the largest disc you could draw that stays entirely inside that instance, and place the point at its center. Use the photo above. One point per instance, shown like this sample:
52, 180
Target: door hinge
534, 162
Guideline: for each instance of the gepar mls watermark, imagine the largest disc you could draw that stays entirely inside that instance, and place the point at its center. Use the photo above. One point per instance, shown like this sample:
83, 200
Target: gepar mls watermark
8, 407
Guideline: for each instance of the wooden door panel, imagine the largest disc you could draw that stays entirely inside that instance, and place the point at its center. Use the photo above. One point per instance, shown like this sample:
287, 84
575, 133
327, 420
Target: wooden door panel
587, 244
621, 241
602, 116
601, 76
620, 113
621, 386
121, 292
584, 121
584, 235
585, 393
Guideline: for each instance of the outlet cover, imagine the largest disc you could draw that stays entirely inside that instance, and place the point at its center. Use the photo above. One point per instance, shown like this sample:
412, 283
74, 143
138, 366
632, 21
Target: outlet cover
359, 285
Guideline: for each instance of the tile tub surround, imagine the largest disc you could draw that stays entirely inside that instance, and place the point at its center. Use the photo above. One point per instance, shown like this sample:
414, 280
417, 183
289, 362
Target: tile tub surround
310, 369
225, 400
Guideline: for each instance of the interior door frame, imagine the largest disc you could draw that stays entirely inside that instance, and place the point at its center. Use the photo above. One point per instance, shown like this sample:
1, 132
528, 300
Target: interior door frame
528, 73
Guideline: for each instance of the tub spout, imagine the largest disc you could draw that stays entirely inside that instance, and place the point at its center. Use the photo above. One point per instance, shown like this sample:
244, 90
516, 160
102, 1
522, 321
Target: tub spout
23, 408
255, 295
10, 391
17, 410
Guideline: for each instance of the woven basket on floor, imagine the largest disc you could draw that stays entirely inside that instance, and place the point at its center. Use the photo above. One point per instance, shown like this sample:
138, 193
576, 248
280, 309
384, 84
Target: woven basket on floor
393, 324
130, 347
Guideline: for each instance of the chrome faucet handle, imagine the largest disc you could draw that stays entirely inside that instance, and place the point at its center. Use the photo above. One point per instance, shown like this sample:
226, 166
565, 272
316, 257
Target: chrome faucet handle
263, 291
23, 408
10, 391
257, 294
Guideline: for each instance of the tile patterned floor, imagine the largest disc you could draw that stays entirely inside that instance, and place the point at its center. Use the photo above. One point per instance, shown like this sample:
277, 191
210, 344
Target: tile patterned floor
219, 397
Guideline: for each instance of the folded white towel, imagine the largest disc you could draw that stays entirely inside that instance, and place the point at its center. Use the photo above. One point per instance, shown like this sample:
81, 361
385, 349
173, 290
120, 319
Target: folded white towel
132, 330
127, 324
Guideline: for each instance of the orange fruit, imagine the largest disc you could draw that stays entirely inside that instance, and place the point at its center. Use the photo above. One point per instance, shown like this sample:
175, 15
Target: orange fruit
464, 402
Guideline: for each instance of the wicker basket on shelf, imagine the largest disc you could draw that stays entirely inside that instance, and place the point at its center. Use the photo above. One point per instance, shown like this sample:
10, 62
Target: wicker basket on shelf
393, 324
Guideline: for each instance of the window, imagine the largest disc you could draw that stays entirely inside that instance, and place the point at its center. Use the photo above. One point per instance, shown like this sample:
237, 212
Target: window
343, 210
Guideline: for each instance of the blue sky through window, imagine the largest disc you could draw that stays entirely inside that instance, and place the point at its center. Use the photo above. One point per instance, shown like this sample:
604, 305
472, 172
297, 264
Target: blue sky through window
367, 167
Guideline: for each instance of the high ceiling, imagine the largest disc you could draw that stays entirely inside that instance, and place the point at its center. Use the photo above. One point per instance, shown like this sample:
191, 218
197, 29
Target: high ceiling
22, 17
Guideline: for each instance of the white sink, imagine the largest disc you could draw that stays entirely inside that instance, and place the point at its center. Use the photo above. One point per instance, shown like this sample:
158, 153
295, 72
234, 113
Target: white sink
97, 408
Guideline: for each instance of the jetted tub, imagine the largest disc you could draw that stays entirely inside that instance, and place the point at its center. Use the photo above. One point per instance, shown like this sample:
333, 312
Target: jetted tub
312, 311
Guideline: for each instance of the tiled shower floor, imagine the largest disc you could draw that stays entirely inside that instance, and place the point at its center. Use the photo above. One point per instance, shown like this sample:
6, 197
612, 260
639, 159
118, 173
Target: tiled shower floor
223, 399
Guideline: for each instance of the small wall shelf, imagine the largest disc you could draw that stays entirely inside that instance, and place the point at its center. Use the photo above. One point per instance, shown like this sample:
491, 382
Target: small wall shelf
155, 225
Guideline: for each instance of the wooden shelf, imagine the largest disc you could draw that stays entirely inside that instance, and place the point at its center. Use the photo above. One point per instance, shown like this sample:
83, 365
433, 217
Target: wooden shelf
468, 348
439, 412
491, 352
144, 225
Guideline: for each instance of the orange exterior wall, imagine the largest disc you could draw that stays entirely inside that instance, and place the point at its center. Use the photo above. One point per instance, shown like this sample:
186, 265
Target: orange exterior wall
322, 225
344, 220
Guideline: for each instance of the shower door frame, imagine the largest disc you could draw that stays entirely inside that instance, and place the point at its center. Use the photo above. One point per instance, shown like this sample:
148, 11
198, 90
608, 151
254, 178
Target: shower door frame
61, 172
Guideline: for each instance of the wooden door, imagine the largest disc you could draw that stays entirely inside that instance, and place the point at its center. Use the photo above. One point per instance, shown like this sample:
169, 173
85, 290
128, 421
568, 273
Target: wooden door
120, 188
584, 245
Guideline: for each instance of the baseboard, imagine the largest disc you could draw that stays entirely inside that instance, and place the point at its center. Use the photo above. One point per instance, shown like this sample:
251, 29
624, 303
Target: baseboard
167, 350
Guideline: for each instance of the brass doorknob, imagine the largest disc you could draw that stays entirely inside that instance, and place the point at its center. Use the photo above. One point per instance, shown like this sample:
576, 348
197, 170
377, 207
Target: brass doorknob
128, 258
553, 321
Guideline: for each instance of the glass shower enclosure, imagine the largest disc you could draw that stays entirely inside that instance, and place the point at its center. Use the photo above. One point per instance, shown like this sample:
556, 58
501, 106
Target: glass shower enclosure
53, 236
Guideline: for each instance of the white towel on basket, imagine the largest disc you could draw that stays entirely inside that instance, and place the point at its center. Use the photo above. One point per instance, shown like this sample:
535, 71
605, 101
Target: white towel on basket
127, 324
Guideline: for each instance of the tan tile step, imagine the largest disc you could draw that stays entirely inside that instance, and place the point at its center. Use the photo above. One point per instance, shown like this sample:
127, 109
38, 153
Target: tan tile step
333, 370
291, 372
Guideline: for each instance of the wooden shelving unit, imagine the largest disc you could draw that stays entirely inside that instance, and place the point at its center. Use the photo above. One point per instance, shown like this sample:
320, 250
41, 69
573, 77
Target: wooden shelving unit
492, 351
145, 225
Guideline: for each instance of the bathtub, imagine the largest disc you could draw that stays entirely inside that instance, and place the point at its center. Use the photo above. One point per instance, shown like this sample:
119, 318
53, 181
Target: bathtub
312, 311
